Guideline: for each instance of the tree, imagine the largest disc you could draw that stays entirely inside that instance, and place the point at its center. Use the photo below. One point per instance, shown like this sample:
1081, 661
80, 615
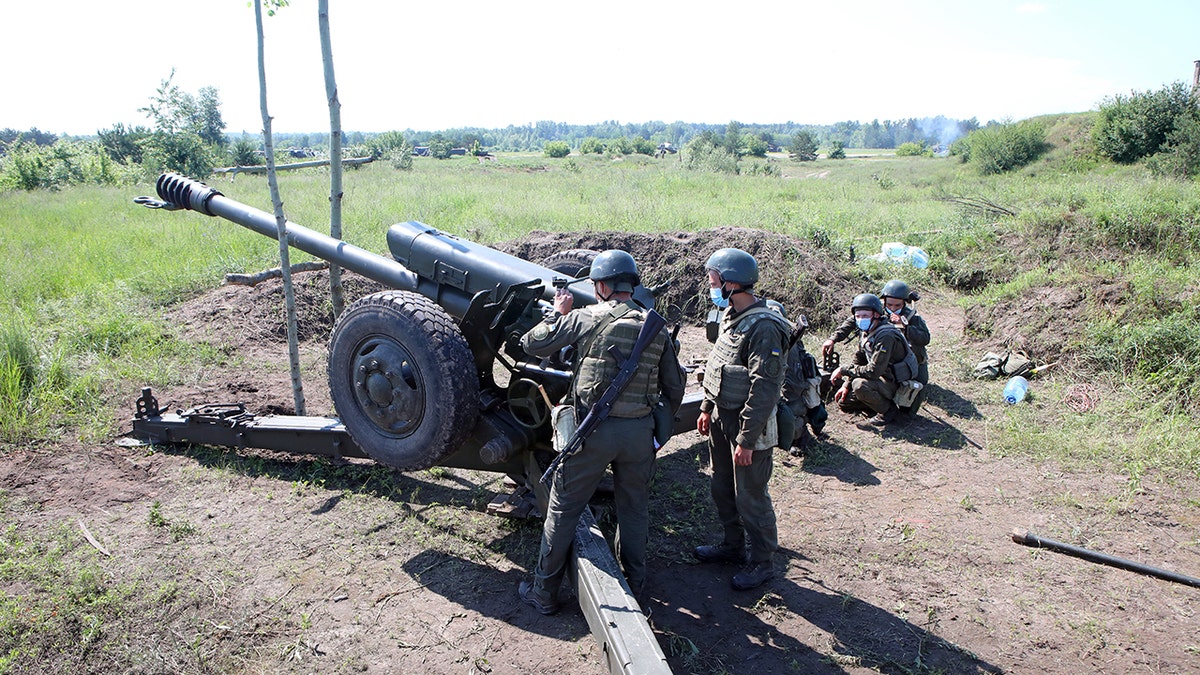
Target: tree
335, 155
754, 146
803, 147
837, 150
124, 145
187, 133
289, 295
208, 123
440, 146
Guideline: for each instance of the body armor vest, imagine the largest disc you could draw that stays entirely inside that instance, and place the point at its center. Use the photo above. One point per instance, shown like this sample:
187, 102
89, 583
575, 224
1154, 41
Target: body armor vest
619, 325
726, 379
901, 370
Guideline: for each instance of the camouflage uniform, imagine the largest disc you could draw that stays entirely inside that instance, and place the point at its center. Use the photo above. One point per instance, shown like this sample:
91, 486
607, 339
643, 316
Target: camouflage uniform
624, 439
888, 361
916, 332
743, 381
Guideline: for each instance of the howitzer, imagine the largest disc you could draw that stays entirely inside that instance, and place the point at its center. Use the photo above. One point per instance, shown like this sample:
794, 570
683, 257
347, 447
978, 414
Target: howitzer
429, 372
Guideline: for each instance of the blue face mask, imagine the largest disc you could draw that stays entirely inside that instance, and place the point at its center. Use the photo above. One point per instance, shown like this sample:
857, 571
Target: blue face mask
864, 324
718, 298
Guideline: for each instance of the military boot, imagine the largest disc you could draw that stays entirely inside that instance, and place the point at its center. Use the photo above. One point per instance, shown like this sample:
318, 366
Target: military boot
729, 554
753, 575
539, 601
881, 420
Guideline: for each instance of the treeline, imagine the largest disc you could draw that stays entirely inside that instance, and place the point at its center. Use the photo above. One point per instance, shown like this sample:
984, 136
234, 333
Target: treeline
931, 131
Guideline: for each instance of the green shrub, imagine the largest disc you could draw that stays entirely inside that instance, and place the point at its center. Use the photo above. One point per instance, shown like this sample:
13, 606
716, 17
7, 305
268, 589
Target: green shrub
556, 149
1180, 157
703, 154
1129, 128
1004, 147
244, 152
753, 146
591, 146
837, 150
66, 163
913, 150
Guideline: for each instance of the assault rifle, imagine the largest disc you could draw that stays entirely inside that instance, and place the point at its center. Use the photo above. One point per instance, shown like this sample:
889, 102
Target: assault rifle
601, 408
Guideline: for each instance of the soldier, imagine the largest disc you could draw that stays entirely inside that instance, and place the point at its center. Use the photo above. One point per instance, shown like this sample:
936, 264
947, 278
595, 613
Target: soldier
743, 381
895, 296
625, 439
887, 362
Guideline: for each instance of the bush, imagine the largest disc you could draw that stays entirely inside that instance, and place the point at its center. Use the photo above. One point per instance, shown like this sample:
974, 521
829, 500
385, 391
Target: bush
591, 146
914, 150
1129, 128
837, 150
1181, 156
703, 154
1004, 147
244, 152
66, 163
556, 149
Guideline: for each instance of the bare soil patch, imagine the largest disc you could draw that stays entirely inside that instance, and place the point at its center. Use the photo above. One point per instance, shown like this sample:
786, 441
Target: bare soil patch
896, 552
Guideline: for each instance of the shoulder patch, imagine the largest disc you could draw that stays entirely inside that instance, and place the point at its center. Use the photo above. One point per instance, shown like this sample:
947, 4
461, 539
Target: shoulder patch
541, 331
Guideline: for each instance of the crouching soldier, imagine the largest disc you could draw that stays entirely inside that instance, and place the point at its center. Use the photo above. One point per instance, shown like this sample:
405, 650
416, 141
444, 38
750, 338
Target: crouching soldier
888, 362
896, 297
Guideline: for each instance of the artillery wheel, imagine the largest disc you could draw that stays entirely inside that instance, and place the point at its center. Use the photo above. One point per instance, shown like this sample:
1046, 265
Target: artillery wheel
402, 379
572, 262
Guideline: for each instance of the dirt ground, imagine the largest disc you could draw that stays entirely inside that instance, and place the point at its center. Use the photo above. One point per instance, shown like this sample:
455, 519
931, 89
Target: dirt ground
896, 552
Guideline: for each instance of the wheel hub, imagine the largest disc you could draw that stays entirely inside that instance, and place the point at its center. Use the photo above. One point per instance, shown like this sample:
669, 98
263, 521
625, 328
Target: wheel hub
387, 386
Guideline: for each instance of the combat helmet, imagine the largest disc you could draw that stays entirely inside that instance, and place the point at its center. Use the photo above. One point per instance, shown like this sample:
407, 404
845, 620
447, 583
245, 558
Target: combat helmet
617, 268
897, 289
868, 301
734, 265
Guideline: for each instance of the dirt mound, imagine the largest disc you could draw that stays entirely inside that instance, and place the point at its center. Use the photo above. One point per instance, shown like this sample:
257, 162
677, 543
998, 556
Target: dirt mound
790, 270
1047, 322
803, 279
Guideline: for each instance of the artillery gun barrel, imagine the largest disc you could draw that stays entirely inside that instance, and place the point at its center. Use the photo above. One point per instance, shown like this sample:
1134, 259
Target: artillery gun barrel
440, 266
183, 192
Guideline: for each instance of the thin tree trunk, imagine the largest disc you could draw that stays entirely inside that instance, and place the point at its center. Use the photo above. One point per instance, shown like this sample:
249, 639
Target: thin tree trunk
289, 295
335, 155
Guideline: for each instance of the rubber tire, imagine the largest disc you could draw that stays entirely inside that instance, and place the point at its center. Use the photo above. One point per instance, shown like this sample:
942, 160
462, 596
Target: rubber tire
570, 262
415, 336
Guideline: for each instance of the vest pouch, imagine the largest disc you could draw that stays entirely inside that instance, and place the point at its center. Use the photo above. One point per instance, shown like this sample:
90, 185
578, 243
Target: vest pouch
734, 387
906, 393
785, 423
664, 424
562, 418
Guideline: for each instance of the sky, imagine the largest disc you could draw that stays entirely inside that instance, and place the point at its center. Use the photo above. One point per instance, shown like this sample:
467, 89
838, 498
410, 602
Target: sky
78, 66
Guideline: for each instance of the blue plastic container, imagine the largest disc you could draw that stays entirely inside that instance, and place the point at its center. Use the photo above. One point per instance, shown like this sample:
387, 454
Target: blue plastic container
1015, 390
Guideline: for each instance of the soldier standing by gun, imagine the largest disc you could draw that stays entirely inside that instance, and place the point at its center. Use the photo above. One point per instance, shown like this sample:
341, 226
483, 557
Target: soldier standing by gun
743, 381
625, 439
